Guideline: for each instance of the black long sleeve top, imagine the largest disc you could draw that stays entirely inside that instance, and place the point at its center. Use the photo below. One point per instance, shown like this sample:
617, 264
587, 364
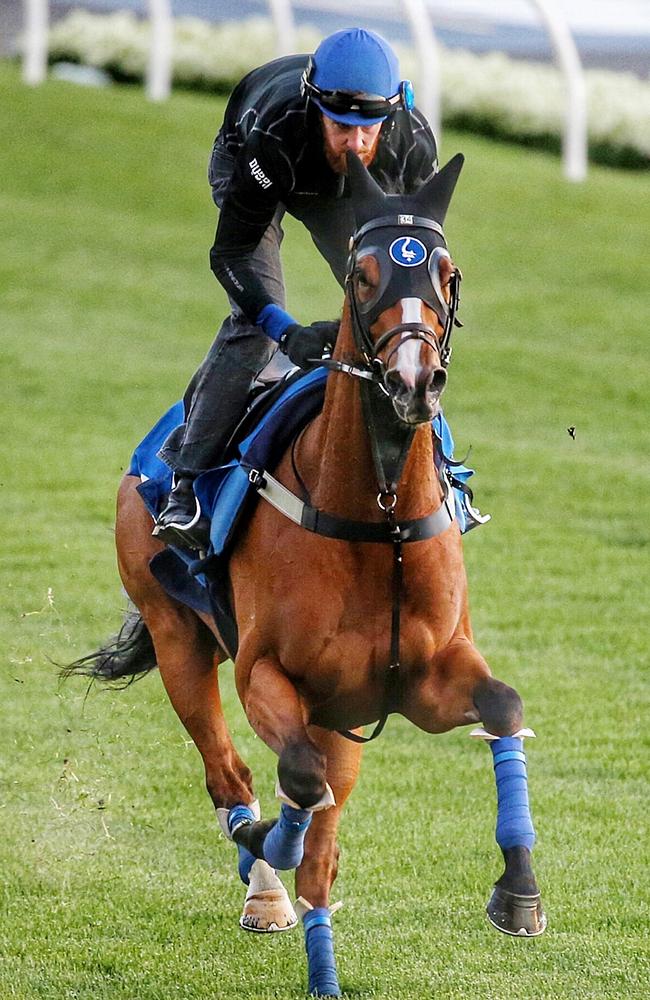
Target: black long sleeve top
271, 144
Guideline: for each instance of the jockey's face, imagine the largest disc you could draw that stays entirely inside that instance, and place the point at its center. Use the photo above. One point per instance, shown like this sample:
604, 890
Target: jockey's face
338, 138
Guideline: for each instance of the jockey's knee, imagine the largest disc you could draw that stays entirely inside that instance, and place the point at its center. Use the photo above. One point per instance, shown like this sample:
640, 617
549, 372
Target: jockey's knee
301, 772
499, 706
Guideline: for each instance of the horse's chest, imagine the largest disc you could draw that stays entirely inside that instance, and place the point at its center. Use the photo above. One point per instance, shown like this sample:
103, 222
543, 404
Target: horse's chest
346, 628
352, 663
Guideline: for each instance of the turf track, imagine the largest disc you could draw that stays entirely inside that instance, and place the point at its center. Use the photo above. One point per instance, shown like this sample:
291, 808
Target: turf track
117, 885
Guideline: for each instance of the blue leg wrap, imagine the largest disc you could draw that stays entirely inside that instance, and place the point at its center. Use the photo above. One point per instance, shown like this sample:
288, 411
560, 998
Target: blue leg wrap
514, 823
241, 815
323, 981
246, 862
284, 844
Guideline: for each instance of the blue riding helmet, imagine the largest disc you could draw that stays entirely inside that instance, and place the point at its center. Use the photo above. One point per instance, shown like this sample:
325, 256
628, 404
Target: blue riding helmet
353, 77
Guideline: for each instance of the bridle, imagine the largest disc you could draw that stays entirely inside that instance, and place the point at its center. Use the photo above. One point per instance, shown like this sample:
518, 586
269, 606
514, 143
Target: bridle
375, 368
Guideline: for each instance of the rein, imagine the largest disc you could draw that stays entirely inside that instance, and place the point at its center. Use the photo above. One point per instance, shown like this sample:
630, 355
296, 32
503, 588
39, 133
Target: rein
394, 665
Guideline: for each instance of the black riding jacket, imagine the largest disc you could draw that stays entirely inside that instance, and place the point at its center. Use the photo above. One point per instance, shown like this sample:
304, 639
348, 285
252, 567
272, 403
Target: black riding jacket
271, 147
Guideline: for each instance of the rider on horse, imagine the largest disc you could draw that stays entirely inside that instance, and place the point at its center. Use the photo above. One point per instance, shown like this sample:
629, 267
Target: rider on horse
282, 148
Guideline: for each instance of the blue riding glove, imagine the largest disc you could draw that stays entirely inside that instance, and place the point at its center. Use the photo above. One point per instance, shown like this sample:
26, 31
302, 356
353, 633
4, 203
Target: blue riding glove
306, 345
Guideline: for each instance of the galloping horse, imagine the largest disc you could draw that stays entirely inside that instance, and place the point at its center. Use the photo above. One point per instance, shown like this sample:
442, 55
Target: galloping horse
357, 611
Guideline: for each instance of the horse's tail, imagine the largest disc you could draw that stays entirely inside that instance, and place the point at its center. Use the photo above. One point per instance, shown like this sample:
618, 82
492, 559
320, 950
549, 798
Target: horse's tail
123, 659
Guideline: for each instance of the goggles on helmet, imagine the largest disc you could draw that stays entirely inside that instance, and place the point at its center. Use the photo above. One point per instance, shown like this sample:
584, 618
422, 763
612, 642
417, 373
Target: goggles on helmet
344, 102
341, 102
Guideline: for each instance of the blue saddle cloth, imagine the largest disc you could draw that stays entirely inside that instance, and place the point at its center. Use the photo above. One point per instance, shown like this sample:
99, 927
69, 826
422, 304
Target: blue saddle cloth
227, 496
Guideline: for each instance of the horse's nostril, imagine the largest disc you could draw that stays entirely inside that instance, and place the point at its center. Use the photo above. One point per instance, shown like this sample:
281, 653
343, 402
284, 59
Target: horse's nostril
439, 380
393, 381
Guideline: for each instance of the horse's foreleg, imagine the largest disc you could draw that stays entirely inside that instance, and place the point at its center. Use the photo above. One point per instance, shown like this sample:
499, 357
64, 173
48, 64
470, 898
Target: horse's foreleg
515, 906
458, 689
277, 714
319, 867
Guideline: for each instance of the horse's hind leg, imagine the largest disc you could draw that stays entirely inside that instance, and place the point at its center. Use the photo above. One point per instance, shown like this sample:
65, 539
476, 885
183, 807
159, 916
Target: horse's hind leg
186, 651
188, 656
459, 689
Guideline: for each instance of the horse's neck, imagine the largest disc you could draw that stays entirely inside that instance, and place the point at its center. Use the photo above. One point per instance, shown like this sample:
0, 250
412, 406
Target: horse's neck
342, 476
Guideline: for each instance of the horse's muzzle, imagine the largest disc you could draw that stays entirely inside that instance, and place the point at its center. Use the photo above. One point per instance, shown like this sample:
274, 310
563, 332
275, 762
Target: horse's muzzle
416, 401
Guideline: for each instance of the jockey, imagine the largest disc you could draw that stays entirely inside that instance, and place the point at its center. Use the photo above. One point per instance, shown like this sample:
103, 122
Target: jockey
282, 148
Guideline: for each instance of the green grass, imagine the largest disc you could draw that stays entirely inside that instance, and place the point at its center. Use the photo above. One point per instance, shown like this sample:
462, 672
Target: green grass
116, 882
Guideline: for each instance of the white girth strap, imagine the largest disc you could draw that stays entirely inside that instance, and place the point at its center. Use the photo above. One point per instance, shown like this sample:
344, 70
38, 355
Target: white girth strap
278, 496
292, 507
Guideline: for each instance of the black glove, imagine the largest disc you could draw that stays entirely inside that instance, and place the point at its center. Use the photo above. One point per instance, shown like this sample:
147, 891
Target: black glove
305, 345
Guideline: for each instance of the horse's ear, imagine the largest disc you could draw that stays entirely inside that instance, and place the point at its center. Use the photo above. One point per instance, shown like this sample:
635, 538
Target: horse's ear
434, 197
368, 198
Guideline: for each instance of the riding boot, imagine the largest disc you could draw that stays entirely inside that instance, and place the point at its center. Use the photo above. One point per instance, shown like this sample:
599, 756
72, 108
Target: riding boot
181, 522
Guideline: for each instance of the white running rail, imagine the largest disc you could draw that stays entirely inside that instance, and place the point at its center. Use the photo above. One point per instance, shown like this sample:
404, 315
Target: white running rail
159, 70
35, 52
575, 139
285, 31
424, 40
416, 12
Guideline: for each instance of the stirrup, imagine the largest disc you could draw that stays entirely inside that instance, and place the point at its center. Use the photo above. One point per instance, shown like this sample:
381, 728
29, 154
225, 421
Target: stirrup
193, 534
196, 539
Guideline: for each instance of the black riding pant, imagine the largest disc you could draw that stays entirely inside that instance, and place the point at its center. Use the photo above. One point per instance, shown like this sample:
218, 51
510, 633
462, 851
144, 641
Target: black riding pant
215, 399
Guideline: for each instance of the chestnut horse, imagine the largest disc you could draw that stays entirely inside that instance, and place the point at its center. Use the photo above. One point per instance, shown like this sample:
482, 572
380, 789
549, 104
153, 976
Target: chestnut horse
361, 616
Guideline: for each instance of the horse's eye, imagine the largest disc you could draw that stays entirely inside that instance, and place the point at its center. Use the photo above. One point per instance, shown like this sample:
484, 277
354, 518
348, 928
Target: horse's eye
362, 280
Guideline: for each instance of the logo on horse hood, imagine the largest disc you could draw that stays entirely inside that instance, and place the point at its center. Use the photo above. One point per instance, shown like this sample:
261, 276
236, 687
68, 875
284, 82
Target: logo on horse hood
407, 251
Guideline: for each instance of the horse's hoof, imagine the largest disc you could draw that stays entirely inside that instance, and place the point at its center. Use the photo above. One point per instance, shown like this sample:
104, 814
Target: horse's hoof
267, 908
512, 913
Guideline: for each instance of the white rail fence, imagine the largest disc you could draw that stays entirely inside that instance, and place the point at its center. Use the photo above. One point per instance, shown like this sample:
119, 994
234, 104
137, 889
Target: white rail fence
417, 13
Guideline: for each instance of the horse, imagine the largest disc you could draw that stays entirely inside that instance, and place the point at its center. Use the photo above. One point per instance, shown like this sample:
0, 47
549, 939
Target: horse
349, 592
